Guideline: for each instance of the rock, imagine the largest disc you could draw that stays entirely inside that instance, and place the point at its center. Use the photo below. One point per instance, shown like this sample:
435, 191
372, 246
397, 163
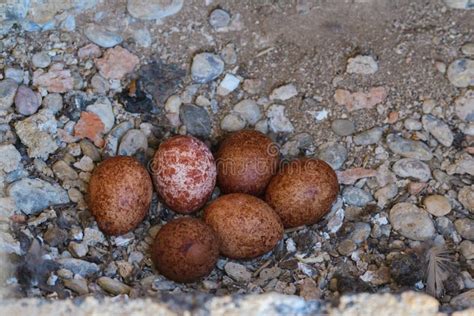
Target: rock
343, 127
173, 103
85, 164
362, 65
462, 166
461, 73
360, 100
459, 4
103, 109
232, 123
360, 232
68, 24
249, 110
277, 121
439, 129
228, 85
252, 86
355, 196
409, 148
196, 119
101, 37
112, 139
467, 249
8, 245
63, 171
116, 63
464, 300
133, 142
55, 236
90, 126
10, 158
466, 197
100, 84
89, 51
346, 247
465, 228
34, 195
412, 168
284, 92
41, 60
296, 144
368, 137
26, 101
335, 154
237, 272
89, 150
78, 250
113, 286
444, 226
78, 266
437, 205
350, 176
17, 75
378, 277
77, 285
206, 67
8, 88
53, 102
219, 19
412, 124
464, 106
56, 80
335, 222
411, 222
153, 9
228, 54
385, 194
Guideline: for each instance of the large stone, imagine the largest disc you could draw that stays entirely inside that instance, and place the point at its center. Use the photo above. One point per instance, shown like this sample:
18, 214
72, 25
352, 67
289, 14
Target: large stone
412, 168
26, 101
411, 222
153, 9
78, 266
56, 80
409, 148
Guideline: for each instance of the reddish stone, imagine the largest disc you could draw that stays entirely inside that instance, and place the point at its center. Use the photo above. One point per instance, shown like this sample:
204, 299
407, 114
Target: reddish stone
56, 80
116, 63
392, 117
90, 126
360, 100
89, 51
414, 188
350, 176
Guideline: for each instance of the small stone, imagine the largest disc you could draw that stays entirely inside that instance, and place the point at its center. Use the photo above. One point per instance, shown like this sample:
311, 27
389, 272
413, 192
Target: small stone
8, 88
63, 171
101, 37
26, 101
461, 73
41, 60
385, 194
346, 247
232, 123
237, 272
465, 228
379, 277
112, 139
100, 84
466, 197
89, 150
249, 110
206, 67
412, 125
90, 126
368, 137
360, 100
467, 249
334, 154
228, 54
360, 232
409, 148
262, 126
133, 142
173, 103
439, 129
34, 195
464, 106
362, 65
153, 9
355, 196
459, 4
350, 176
269, 273
219, 19
77, 285
437, 205
103, 109
252, 86
116, 63
411, 222
78, 266
85, 164
277, 121
78, 250
10, 158
464, 300
56, 80
89, 51
464, 165
468, 49
412, 168
284, 93
196, 119
335, 222
17, 75
53, 102
296, 144
68, 24
228, 85
343, 127
8, 244
113, 286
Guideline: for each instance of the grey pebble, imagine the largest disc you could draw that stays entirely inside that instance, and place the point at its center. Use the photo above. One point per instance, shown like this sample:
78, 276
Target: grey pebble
411, 221
237, 272
465, 228
77, 285
461, 72
439, 129
103, 109
206, 67
53, 102
219, 18
101, 37
100, 84
113, 286
153, 9
89, 150
355, 196
233, 122
412, 168
412, 124
343, 127
409, 148
8, 88
133, 142
335, 154
26, 101
196, 119
346, 247
368, 137
15, 74
78, 266
444, 226
41, 60
249, 110
360, 232
112, 139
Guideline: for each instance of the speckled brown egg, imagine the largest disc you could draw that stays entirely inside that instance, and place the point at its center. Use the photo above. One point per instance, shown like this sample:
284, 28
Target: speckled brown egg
245, 225
246, 161
120, 192
185, 250
184, 173
302, 191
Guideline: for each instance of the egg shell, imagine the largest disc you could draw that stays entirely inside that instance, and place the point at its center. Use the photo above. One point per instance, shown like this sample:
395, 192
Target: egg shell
185, 250
120, 193
303, 191
246, 161
184, 173
245, 225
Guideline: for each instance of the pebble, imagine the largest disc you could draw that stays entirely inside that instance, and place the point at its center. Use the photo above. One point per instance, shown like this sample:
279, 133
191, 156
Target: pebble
378, 277
461, 73
112, 139
78, 266
53, 102
262, 126
233, 122
346, 247
41, 60
409, 148
444, 226
89, 51
459, 4
77, 285
85, 164
335, 154
464, 165
228, 54
468, 49
464, 300
152, 9
249, 110
439, 129
466, 197
411, 222
173, 103
465, 228
343, 127
101, 37
362, 65
10, 158
368, 137
412, 124
296, 144
412, 168
63, 171
100, 84
34, 195
68, 24
113, 286
385, 194
284, 93
252, 86
78, 250
464, 106
467, 249
8, 245
335, 222
56, 80
360, 232
277, 121
116, 63
350, 176
26, 101
90, 126
132, 143
360, 100
196, 119
206, 67
89, 150
219, 19
15, 74
355, 196
8, 88
103, 109
228, 85
437, 205
237, 272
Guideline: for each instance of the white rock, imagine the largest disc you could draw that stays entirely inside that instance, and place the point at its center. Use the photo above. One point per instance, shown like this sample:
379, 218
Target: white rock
232, 123
277, 120
363, 65
153, 9
228, 84
249, 110
461, 73
237, 272
85, 164
460, 4
9, 158
464, 106
173, 104
284, 93
103, 109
